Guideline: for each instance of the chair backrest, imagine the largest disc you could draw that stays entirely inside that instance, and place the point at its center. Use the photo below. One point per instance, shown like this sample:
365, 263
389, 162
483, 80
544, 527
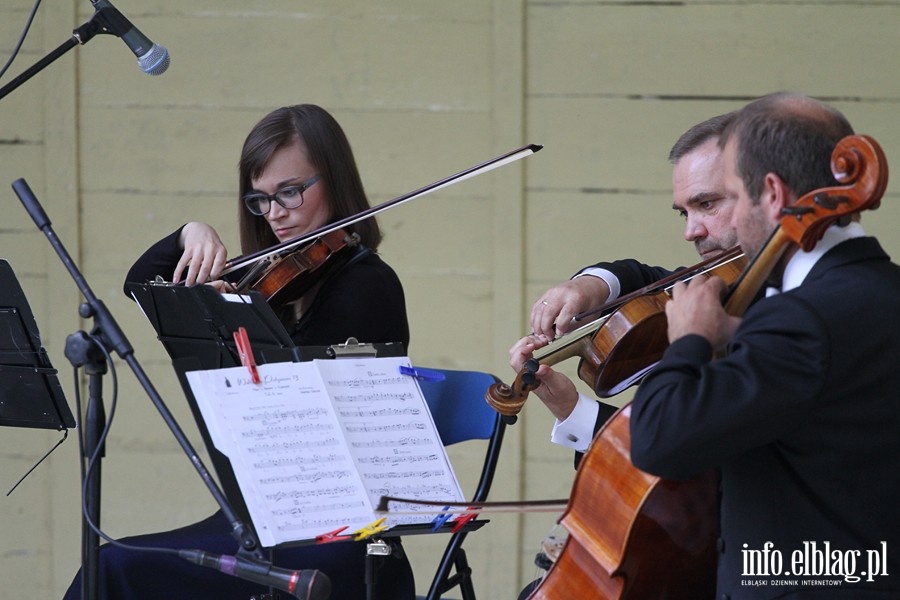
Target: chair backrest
458, 406
460, 413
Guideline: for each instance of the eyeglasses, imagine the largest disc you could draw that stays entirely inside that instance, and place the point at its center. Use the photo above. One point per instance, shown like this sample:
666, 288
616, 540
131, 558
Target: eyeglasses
288, 197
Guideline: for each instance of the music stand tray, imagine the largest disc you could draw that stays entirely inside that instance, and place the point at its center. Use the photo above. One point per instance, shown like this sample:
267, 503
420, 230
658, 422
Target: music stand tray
30, 393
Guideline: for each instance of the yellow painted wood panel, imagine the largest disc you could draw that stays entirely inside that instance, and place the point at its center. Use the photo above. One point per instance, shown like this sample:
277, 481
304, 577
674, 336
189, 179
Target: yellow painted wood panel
171, 152
739, 49
262, 61
597, 143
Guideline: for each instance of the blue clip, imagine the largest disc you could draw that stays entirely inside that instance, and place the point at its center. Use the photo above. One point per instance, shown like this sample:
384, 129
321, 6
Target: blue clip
423, 374
439, 520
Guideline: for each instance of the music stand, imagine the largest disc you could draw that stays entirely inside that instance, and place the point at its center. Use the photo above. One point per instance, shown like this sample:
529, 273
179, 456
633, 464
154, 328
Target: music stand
196, 325
30, 394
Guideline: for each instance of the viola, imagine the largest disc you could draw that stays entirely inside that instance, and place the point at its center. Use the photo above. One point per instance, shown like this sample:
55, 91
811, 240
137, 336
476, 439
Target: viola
615, 349
635, 536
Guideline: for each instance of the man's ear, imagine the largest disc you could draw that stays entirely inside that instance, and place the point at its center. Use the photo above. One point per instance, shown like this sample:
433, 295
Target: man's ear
776, 195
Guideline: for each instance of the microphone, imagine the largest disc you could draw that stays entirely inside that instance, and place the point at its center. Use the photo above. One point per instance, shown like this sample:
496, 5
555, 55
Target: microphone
153, 59
307, 584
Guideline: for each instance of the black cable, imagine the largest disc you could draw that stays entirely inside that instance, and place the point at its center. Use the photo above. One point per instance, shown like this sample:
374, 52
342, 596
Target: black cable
21, 41
93, 458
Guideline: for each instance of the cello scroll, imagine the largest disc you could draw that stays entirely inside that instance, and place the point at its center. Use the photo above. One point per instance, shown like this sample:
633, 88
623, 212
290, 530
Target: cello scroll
859, 163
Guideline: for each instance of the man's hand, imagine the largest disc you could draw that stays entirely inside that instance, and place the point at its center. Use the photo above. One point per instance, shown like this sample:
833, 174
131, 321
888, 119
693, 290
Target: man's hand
696, 308
551, 315
555, 390
204, 254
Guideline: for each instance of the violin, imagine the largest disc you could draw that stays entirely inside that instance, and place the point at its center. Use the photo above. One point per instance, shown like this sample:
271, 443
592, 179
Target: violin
652, 538
284, 277
619, 347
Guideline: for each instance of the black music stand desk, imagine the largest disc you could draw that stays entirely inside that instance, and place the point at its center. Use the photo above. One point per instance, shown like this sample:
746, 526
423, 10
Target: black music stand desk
30, 394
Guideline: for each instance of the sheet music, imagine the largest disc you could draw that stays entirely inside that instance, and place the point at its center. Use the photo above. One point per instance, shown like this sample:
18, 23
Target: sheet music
391, 434
316, 444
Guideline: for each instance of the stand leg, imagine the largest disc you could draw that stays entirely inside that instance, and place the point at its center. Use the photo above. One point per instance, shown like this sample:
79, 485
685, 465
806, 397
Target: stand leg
374, 551
81, 351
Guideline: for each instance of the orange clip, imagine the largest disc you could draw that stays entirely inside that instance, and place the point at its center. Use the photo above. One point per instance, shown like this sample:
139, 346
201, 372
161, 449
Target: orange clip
462, 519
332, 536
242, 341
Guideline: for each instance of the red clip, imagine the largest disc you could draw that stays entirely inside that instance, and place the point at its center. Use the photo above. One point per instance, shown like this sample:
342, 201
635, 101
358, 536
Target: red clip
246, 353
332, 536
462, 519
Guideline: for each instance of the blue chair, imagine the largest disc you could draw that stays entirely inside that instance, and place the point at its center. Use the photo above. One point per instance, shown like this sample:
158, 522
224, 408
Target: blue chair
460, 413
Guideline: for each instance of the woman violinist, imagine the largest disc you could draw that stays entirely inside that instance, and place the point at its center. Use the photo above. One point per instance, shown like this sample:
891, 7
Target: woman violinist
297, 174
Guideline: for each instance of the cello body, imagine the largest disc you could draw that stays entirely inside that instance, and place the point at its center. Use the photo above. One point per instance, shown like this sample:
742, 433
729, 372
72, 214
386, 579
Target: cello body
633, 535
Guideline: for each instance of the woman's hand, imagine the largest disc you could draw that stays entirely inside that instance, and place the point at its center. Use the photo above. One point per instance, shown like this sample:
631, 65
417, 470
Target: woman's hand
204, 254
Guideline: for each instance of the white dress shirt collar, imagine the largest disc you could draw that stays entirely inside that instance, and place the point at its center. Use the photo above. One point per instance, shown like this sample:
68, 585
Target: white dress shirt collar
801, 263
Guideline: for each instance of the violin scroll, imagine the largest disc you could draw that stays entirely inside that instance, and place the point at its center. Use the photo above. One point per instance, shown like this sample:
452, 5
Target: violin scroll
508, 400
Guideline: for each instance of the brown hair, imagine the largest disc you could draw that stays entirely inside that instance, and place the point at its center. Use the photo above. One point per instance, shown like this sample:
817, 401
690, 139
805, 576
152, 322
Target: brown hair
790, 135
697, 135
330, 155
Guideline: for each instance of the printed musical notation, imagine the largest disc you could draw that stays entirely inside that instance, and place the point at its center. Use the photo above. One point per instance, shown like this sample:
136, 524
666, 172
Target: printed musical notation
383, 428
290, 446
318, 443
404, 441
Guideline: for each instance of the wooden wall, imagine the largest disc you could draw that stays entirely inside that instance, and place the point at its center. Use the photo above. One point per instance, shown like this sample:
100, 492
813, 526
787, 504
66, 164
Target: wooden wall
423, 89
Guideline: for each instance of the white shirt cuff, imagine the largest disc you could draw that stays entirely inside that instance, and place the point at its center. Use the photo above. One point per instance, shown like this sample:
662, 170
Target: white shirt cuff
577, 431
611, 280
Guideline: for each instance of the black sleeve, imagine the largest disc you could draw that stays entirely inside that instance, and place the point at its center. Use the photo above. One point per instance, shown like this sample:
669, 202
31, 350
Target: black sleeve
633, 275
159, 259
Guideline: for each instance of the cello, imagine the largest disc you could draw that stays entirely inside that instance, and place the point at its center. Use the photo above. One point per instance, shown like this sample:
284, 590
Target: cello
655, 538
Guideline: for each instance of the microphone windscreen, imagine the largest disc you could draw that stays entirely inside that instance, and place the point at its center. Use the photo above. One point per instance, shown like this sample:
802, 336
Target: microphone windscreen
155, 61
313, 585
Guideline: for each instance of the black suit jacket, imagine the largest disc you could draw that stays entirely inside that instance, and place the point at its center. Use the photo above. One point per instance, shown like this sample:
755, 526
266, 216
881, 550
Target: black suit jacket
803, 418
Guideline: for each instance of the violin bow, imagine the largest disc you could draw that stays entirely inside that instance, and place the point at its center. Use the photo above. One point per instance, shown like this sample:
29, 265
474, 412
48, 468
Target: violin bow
494, 163
555, 505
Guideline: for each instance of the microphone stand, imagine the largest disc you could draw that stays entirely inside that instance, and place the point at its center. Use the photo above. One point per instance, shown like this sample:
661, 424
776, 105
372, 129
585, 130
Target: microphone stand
103, 21
80, 348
